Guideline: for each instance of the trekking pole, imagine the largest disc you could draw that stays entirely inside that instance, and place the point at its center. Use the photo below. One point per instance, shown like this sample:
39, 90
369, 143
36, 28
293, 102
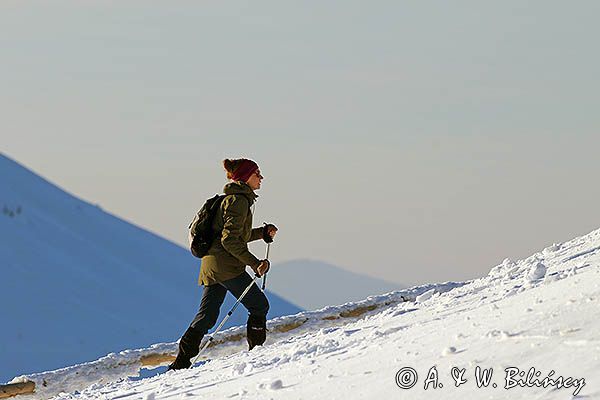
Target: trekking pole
265, 275
211, 337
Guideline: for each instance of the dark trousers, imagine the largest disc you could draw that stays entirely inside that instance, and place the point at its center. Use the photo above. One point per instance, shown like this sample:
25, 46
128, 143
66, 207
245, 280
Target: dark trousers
213, 296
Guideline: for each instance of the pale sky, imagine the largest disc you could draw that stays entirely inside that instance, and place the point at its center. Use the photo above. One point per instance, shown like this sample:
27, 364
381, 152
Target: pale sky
413, 141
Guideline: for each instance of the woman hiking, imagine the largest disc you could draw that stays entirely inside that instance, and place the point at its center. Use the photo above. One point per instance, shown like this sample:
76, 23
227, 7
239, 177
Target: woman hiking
224, 266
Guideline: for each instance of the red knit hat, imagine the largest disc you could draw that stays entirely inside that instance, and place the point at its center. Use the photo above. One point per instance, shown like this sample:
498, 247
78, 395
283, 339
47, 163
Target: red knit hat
244, 171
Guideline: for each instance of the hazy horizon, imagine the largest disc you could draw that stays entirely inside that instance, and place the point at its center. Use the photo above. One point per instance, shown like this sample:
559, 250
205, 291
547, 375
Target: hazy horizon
412, 142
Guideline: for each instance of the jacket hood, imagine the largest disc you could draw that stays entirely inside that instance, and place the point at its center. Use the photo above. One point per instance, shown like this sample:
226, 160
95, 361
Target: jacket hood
236, 187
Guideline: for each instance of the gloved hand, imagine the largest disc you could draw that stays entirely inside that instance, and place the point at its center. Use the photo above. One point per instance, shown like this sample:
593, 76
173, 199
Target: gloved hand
263, 267
269, 231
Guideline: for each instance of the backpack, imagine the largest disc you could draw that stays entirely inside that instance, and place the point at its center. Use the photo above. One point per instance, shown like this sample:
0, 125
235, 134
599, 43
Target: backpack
200, 234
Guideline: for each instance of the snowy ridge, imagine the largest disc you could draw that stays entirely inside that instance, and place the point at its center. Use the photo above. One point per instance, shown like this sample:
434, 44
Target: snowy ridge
128, 363
541, 312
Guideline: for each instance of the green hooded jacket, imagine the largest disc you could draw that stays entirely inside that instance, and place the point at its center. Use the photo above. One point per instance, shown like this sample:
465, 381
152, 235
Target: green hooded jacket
229, 254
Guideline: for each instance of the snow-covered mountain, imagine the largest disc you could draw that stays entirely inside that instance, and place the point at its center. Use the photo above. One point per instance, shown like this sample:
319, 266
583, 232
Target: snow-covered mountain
325, 283
78, 282
531, 326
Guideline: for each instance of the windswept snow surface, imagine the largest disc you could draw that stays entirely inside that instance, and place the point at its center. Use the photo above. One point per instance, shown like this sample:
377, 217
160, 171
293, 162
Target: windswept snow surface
539, 315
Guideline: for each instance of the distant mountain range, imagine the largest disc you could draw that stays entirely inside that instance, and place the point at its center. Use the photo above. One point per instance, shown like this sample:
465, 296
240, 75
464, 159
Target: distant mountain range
314, 284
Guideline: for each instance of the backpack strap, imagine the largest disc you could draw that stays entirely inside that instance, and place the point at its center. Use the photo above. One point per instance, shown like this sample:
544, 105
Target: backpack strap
237, 194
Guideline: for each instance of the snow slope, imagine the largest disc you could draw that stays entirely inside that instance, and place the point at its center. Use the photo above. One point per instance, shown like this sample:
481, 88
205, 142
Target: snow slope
78, 283
538, 315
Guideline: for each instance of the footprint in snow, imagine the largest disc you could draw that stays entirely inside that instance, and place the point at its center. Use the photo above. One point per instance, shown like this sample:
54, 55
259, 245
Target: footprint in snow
275, 385
388, 331
449, 350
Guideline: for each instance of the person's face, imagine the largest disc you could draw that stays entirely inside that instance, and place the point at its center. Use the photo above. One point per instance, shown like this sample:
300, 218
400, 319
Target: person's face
255, 180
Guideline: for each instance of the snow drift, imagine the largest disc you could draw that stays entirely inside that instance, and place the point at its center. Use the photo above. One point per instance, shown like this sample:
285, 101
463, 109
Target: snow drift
529, 329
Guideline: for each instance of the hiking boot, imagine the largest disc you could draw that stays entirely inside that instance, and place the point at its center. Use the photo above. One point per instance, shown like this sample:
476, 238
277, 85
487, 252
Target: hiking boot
189, 347
179, 363
256, 331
